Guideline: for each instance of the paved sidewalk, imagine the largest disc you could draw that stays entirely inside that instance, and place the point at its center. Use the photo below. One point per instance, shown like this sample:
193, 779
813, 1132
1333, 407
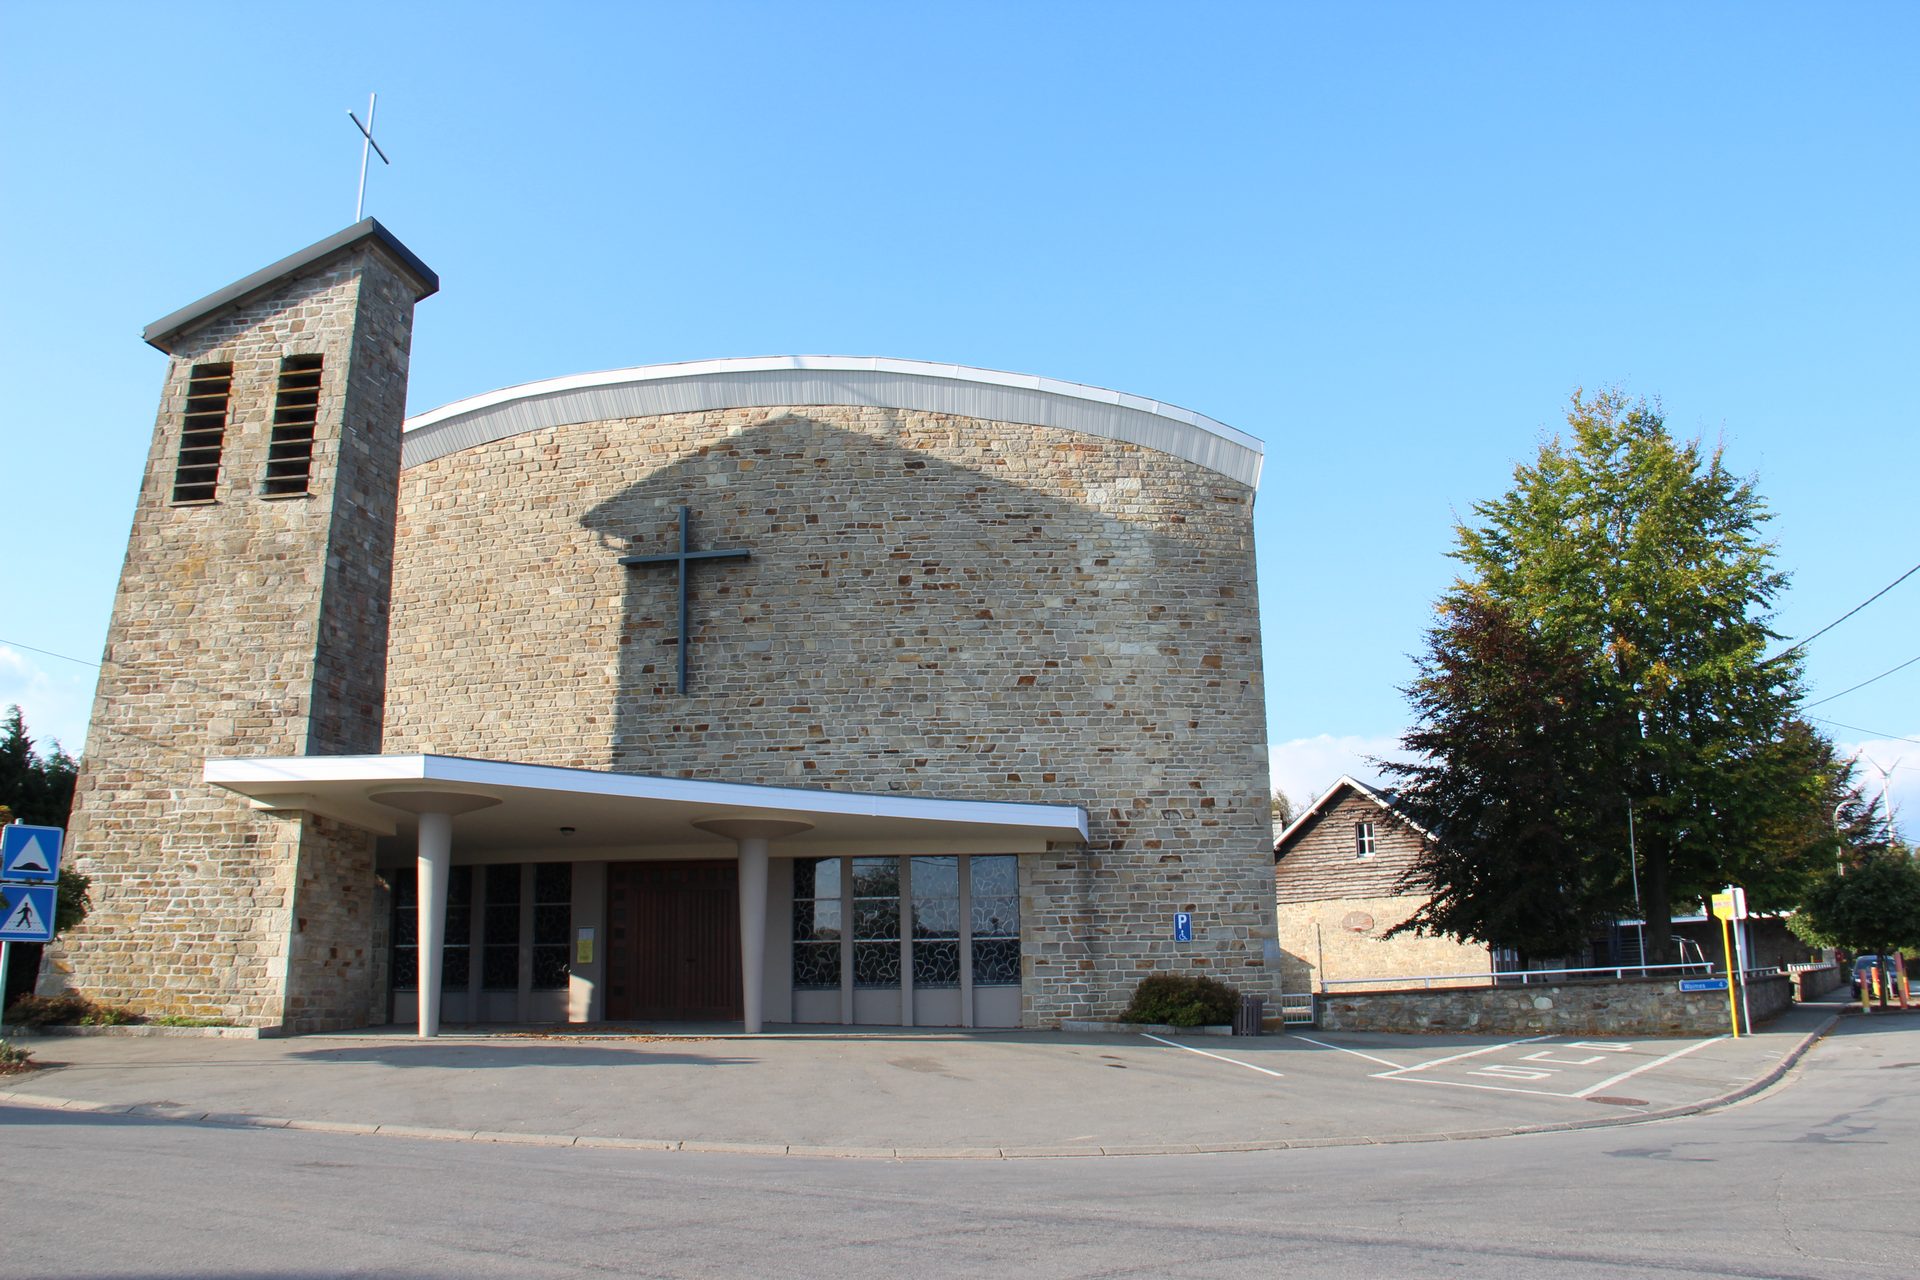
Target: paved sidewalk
902, 1093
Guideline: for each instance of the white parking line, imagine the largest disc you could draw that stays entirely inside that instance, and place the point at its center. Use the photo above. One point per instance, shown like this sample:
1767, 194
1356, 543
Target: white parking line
1220, 1057
1472, 1053
1355, 1052
1657, 1062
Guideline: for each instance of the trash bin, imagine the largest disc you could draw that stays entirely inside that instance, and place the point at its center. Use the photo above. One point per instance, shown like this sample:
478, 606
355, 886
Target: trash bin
1252, 1012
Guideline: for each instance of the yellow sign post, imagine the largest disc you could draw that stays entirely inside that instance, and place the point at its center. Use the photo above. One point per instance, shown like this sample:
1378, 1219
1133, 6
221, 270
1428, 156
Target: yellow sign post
1724, 907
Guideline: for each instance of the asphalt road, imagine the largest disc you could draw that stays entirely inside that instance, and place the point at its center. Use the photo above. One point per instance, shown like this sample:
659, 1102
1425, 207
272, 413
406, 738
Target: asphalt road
1810, 1179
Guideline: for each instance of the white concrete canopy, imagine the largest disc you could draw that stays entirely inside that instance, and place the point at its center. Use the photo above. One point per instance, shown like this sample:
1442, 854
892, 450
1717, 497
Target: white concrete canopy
544, 808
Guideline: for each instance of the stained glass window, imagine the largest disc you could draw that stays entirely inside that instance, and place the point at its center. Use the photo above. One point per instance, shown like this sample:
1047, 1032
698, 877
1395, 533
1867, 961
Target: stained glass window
936, 922
500, 956
552, 923
816, 924
995, 885
876, 922
454, 949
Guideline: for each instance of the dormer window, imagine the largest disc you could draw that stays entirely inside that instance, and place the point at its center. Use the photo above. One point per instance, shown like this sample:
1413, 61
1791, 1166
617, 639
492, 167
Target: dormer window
1363, 845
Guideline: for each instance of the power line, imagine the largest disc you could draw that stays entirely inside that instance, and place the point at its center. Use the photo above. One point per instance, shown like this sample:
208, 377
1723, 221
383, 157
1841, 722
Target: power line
15, 644
1848, 614
1864, 683
1888, 737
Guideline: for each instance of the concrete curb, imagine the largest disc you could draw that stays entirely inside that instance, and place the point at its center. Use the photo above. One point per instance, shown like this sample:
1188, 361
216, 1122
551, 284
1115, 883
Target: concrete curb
173, 1112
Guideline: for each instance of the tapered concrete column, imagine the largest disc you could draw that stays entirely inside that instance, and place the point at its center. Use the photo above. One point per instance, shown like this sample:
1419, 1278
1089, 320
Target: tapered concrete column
753, 931
433, 867
750, 836
435, 861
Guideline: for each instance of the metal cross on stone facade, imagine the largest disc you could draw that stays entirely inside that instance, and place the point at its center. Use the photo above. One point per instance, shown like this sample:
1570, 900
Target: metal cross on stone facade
682, 559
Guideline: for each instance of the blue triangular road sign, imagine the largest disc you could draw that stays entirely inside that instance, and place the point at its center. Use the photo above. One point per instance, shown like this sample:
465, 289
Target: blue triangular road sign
27, 915
30, 854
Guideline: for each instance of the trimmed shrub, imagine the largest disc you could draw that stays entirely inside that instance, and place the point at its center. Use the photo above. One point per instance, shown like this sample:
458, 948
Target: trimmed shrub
14, 1059
1182, 1000
70, 1009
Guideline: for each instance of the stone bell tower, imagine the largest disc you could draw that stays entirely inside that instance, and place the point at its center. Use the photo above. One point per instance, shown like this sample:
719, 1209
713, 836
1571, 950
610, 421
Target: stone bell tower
251, 620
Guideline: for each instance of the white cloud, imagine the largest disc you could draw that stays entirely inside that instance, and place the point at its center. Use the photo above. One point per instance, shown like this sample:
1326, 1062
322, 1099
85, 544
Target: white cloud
55, 703
1305, 767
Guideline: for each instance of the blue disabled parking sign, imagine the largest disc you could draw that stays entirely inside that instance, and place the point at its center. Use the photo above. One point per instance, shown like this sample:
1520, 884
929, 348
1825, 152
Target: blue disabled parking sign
26, 913
30, 855
1183, 926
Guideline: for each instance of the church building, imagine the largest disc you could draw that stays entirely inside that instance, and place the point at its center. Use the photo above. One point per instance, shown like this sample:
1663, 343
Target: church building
796, 690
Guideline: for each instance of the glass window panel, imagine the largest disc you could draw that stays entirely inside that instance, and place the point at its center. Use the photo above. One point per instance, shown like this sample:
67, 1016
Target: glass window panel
406, 887
816, 878
816, 921
503, 925
406, 927
500, 968
996, 962
553, 882
503, 883
406, 966
876, 878
460, 887
549, 968
550, 925
816, 965
995, 876
876, 964
459, 925
936, 964
876, 919
453, 969
996, 917
936, 878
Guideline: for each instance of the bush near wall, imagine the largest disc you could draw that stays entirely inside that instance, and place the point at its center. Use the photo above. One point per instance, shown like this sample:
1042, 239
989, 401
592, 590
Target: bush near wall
1182, 1000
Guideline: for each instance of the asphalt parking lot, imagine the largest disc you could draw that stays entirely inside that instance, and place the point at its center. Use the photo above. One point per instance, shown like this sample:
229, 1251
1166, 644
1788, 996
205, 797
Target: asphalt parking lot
904, 1092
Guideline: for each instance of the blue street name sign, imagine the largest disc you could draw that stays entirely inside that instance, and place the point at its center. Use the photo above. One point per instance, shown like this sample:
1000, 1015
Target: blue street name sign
1183, 926
1703, 984
30, 855
27, 913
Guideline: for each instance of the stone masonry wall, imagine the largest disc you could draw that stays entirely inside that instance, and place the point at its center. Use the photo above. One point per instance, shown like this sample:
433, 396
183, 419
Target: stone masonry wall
936, 606
1634, 1006
221, 610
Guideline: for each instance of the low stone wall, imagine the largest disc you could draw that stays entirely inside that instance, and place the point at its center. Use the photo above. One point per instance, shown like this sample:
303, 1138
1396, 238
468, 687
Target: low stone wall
1627, 1007
1811, 984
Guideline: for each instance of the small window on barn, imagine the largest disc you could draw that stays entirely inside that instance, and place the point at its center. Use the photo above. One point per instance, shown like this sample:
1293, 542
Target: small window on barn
203, 433
296, 407
1363, 840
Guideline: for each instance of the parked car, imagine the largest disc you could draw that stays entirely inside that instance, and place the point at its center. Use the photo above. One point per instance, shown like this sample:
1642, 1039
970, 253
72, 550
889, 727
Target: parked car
1863, 963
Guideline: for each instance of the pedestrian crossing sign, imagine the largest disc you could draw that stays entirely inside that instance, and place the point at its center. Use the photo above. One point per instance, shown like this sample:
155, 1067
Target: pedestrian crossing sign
26, 913
30, 855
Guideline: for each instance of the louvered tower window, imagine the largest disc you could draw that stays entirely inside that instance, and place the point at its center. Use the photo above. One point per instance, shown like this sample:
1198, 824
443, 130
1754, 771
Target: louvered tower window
203, 432
296, 406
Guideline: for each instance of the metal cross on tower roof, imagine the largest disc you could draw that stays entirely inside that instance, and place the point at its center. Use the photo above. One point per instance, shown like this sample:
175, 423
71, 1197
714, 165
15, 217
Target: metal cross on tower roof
366, 141
682, 560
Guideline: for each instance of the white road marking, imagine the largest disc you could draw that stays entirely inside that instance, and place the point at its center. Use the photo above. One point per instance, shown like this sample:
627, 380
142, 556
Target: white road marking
1546, 1055
1501, 1071
1203, 1053
1616, 1046
1657, 1062
1473, 1053
1355, 1052
1463, 1084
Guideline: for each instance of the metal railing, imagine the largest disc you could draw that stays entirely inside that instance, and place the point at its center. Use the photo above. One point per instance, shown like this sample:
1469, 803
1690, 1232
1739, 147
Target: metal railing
1521, 977
1296, 1008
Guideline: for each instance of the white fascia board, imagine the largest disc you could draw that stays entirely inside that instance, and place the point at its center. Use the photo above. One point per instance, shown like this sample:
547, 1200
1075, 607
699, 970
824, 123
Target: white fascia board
293, 771
474, 406
1321, 803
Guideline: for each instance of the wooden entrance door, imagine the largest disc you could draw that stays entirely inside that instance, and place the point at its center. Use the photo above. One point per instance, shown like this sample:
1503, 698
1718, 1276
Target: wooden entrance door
673, 944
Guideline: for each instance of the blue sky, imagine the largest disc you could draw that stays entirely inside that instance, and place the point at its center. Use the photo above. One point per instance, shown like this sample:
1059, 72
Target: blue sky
1387, 239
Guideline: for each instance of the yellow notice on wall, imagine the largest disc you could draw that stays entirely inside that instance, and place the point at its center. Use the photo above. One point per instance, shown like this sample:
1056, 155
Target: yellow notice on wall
583, 947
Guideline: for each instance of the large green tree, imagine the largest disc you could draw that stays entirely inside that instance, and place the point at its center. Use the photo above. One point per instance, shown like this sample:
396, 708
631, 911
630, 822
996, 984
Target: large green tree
1639, 561
1870, 906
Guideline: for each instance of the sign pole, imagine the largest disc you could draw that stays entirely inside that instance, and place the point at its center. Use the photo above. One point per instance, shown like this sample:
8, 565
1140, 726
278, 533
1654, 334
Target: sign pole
1733, 1004
6, 954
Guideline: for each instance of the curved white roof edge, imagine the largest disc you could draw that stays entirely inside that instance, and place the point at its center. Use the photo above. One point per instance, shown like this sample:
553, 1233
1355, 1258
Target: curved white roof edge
771, 381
